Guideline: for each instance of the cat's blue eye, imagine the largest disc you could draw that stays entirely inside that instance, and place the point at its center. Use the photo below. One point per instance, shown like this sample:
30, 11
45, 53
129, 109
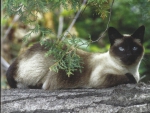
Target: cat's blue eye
121, 49
134, 48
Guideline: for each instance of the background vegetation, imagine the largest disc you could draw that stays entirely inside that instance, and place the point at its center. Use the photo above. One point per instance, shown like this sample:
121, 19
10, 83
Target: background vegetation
127, 15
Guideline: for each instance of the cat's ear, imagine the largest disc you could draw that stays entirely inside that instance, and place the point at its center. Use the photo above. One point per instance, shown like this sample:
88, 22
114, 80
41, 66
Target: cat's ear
139, 33
113, 35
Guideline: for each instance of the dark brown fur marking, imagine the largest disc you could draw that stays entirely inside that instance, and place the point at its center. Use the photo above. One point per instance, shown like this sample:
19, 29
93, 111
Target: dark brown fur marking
36, 87
129, 56
113, 80
131, 78
78, 79
11, 72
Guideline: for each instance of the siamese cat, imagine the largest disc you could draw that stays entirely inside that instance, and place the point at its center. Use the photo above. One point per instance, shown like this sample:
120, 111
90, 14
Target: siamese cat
100, 70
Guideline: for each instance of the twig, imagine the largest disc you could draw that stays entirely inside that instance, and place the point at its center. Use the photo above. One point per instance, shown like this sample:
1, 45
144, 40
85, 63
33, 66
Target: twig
16, 17
60, 27
107, 23
4, 63
83, 9
74, 20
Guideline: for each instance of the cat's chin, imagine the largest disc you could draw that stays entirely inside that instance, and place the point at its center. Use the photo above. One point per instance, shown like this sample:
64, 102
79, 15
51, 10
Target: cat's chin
128, 62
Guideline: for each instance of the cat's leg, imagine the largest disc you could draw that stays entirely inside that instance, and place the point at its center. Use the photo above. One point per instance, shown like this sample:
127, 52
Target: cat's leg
131, 78
113, 80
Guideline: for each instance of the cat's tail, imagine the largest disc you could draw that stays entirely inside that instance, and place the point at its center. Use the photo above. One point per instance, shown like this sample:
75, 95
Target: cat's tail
10, 74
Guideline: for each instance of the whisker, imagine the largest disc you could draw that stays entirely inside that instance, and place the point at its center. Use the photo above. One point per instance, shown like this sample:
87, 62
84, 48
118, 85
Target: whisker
146, 59
142, 77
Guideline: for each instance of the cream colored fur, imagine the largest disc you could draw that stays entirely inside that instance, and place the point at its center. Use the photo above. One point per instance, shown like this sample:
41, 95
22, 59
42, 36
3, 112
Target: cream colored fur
36, 70
105, 64
33, 70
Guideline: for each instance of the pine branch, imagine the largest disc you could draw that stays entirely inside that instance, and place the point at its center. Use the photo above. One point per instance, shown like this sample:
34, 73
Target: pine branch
74, 20
107, 23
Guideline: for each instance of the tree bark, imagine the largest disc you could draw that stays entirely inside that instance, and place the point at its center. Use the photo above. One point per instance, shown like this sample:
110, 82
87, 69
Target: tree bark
127, 98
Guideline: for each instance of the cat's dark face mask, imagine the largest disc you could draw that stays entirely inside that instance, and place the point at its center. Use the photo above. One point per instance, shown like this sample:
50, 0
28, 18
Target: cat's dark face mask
128, 49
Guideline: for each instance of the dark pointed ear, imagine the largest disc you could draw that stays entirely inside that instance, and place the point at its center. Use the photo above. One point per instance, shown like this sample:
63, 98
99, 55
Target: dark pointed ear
113, 35
139, 33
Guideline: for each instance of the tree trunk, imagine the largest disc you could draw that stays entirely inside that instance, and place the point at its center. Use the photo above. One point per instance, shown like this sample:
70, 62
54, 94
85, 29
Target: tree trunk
129, 98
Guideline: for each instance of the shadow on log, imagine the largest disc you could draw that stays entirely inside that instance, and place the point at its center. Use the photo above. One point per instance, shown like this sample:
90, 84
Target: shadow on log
127, 98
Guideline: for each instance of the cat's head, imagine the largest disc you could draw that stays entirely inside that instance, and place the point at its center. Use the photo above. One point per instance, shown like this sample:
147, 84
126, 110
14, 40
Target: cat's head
126, 48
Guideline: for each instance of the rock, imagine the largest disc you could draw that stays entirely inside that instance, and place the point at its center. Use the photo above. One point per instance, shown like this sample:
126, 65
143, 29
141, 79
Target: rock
127, 98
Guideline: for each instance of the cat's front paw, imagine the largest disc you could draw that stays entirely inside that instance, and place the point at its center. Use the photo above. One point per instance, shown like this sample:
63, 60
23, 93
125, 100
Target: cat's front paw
131, 78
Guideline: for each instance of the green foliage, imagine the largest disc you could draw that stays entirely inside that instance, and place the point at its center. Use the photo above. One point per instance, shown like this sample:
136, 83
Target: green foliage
127, 15
28, 9
101, 7
64, 53
36, 29
64, 59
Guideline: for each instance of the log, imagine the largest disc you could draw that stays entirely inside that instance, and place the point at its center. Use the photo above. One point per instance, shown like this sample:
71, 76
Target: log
126, 98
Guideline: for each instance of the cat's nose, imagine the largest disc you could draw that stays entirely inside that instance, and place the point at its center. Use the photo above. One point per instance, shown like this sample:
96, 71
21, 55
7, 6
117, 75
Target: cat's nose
129, 54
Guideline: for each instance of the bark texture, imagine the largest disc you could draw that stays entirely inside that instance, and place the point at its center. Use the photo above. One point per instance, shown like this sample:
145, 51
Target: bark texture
129, 98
